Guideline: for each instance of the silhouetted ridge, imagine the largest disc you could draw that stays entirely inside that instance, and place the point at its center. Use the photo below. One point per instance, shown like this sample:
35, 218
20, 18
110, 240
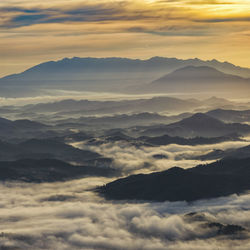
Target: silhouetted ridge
200, 119
77, 64
198, 125
166, 140
193, 74
217, 179
198, 79
201, 71
48, 170
230, 115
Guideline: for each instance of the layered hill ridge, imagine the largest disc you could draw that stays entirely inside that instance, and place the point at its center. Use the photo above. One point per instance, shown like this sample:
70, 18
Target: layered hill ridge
230, 115
199, 72
198, 78
198, 125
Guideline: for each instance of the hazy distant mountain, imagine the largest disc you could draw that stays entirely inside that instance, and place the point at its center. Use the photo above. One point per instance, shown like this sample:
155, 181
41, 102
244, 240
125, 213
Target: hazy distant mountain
166, 104
100, 74
217, 179
68, 66
197, 79
48, 170
27, 124
230, 115
20, 128
45, 149
216, 101
57, 150
239, 153
117, 136
198, 125
6, 124
85, 107
160, 140
121, 121
166, 140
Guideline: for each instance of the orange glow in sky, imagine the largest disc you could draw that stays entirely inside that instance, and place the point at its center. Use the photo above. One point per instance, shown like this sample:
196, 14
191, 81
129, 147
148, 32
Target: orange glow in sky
33, 31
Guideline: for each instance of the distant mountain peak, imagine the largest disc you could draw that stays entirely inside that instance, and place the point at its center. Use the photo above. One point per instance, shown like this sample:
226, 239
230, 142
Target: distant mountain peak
197, 68
198, 78
192, 71
199, 119
200, 116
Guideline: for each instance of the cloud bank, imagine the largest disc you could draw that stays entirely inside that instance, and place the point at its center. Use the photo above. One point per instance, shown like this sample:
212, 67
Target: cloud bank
30, 219
121, 28
135, 160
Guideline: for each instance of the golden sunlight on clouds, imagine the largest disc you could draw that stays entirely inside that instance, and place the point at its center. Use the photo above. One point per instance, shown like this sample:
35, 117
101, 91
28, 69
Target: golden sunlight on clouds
35, 31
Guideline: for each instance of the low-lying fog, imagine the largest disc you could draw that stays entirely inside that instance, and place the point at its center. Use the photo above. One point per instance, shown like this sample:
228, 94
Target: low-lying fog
70, 215
58, 95
132, 159
67, 216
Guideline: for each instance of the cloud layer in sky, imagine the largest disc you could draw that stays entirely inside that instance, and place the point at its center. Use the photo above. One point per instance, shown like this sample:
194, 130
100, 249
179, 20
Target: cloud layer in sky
35, 31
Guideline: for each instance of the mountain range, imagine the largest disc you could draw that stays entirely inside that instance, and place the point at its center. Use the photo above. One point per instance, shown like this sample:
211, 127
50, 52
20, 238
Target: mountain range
226, 115
166, 104
197, 125
160, 140
86, 107
78, 65
119, 74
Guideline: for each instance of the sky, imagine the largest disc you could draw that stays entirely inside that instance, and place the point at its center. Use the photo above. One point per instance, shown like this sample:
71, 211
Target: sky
33, 31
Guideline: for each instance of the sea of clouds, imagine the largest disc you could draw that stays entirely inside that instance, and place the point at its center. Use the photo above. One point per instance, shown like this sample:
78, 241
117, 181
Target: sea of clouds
69, 215
132, 160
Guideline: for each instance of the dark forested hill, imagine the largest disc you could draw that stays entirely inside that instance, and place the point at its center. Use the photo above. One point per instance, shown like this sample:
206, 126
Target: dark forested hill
217, 179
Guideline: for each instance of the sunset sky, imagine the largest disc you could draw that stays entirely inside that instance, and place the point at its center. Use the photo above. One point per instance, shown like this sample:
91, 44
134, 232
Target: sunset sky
33, 31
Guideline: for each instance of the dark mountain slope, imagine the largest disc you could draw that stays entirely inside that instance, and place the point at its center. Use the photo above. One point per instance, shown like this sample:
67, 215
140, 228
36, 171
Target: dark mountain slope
198, 125
147, 141
230, 115
45, 149
121, 121
166, 140
220, 178
20, 128
238, 153
57, 150
156, 104
48, 170
6, 124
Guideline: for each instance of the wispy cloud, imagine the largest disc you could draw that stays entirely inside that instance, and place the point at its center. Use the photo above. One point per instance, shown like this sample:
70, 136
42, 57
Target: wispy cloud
123, 28
115, 11
224, 19
18, 17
